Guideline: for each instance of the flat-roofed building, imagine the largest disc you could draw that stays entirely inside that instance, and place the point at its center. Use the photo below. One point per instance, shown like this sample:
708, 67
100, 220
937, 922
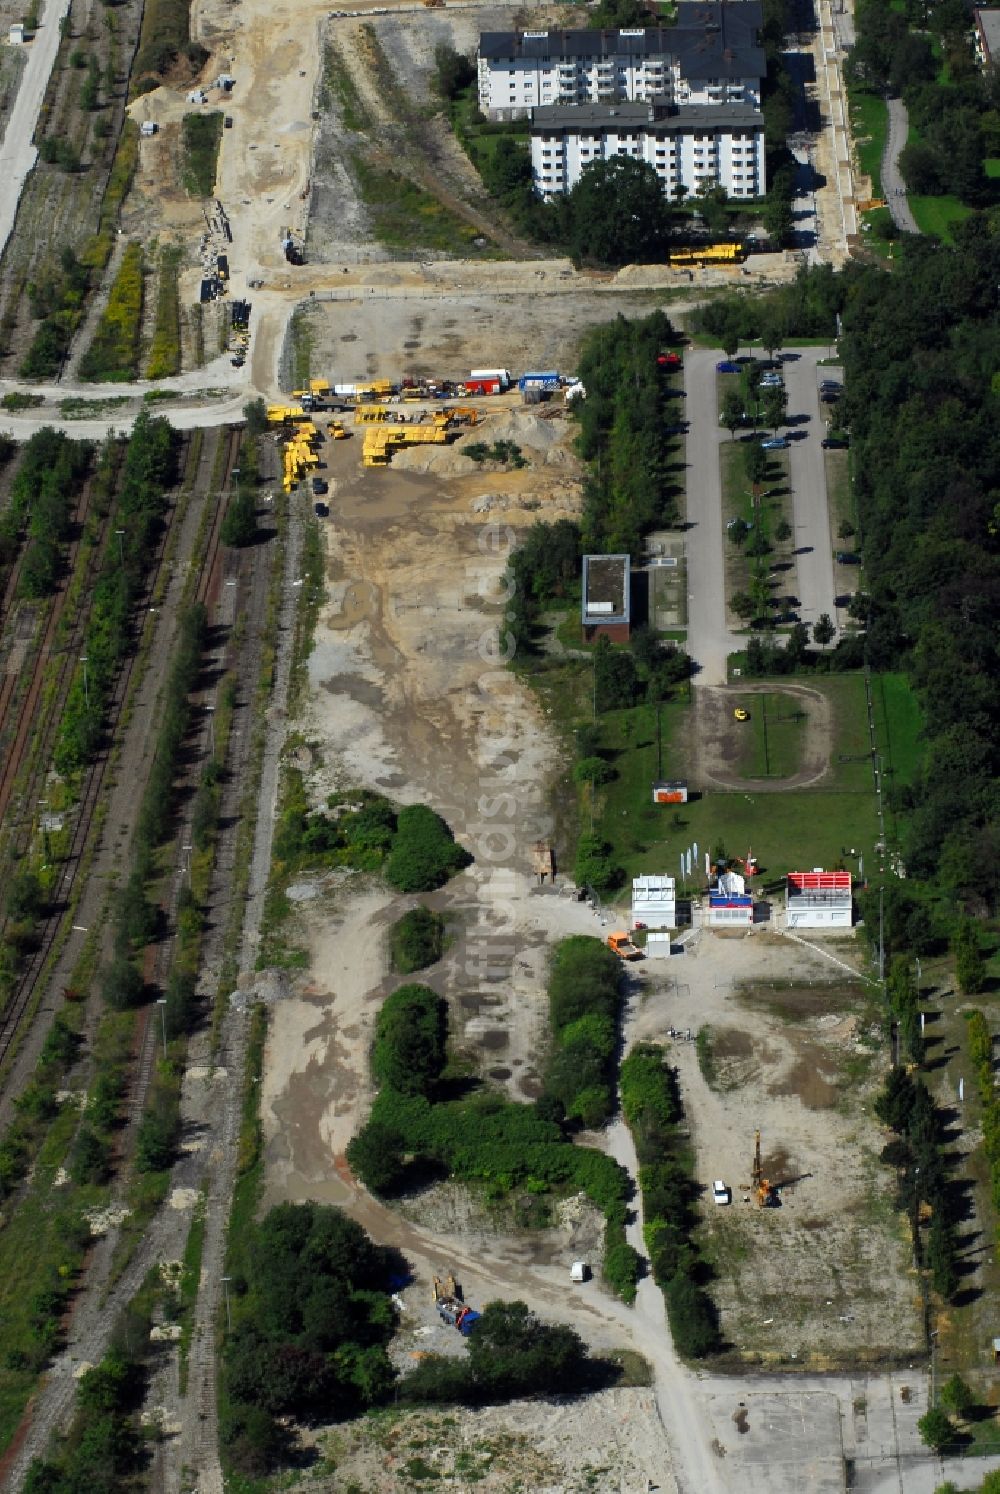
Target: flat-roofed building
607, 606
818, 900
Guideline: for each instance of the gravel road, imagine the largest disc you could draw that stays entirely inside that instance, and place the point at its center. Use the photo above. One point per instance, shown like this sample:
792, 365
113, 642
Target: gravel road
19, 153
893, 185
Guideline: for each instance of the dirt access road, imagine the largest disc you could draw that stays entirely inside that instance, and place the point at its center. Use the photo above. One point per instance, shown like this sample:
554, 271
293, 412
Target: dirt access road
18, 152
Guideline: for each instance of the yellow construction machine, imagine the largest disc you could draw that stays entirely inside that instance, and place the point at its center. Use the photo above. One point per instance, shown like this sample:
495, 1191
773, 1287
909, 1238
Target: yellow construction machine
764, 1192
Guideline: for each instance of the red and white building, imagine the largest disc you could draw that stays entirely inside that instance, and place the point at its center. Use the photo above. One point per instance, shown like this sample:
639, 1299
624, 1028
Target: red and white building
818, 900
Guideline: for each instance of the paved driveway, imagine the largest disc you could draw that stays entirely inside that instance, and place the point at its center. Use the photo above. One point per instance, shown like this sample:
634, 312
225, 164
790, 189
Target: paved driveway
893, 184
709, 637
811, 517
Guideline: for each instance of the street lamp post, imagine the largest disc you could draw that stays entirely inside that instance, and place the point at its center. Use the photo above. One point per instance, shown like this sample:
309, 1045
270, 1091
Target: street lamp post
86, 683
121, 558
162, 1004
229, 1316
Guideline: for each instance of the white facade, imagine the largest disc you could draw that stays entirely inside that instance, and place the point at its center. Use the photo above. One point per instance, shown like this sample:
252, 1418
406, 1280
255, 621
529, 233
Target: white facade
709, 56
688, 148
654, 902
818, 900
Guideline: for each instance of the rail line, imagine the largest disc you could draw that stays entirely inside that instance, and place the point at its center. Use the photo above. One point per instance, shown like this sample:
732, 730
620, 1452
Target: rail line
206, 592
90, 791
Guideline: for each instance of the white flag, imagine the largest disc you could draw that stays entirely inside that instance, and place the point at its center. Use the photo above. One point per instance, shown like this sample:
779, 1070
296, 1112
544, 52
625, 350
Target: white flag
689, 863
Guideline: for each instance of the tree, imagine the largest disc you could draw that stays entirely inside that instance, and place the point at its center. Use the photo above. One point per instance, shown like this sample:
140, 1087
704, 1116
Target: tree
416, 940
738, 531
239, 527
424, 853
783, 531
957, 1397
376, 1156
89, 1160
824, 630
514, 1352
743, 605
617, 213
935, 1429
970, 967
755, 461
732, 411
772, 328
845, 529
121, 985
411, 1033
24, 899
775, 408
593, 770
615, 681
255, 415
593, 866
693, 1320
453, 72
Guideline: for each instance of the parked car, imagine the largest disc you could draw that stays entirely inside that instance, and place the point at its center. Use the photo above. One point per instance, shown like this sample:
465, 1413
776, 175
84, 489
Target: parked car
320, 485
848, 557
771, 381
321, 510
720, 1193
834, 443
775, 443
726, 366
831, 384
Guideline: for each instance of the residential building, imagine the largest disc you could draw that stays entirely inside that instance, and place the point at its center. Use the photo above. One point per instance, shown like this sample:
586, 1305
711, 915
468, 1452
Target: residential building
607, 606
987, 35
710, 56
689, 148
818, 900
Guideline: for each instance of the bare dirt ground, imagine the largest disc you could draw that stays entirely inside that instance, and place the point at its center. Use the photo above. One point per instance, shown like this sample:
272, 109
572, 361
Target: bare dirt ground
447, 336
825, 1277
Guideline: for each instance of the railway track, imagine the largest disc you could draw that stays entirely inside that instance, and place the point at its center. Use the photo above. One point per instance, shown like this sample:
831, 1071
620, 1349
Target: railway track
205, 592
91, 785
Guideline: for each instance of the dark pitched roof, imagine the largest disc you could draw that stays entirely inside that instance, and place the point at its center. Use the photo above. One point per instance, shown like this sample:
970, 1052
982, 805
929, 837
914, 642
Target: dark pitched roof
710, 39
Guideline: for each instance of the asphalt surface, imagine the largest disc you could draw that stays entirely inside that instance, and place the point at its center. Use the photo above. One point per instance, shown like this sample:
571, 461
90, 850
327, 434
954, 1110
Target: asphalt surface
710, 640
18, 152
893, 185
811, 519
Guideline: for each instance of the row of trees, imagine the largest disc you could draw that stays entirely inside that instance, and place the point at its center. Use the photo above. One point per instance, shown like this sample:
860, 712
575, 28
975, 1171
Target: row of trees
652, 1107
924, 413
146, 473
925, 1181
43, 494
584, 995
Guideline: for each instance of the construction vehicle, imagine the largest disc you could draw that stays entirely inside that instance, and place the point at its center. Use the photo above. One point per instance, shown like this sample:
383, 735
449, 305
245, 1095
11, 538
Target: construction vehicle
451, 1308
372, 414
335, 430
622, 946
381, 441
283, 414
764, 1192
707, 254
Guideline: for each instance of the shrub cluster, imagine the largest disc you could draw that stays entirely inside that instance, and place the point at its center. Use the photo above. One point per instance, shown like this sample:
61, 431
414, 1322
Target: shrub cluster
165, 37
114, 353
312, 1318
104, 1448
925, 1183
165, 348
200, 136
652, 1107
424, 852
56, 298
416, 940
411, 1035
584, 998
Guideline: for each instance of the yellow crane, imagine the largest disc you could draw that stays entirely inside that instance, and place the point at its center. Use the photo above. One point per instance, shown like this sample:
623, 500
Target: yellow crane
764, 1192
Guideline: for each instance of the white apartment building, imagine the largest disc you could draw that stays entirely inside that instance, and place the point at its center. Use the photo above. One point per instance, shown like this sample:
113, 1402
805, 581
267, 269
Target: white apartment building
690, 147
711, 56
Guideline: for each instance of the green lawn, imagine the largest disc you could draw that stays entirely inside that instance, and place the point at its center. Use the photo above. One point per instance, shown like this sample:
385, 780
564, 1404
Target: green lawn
992, 165
405, 216
774, 736
869, 122
898, 727
787, 831
936, 215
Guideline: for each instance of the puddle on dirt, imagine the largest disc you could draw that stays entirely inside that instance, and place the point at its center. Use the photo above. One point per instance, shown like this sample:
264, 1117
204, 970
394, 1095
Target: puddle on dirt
816, 1090
730, 1042
494, 1040
501, 1075
530, 1086
355, 687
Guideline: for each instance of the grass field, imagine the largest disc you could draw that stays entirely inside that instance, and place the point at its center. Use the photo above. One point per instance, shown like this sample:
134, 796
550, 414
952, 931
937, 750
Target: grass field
773, 737
200, 137
404, 216
938, 215
869, 122
788, 831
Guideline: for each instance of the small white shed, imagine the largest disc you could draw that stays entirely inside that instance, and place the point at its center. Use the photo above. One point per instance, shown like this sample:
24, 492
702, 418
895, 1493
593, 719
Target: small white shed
16, 35
148, 127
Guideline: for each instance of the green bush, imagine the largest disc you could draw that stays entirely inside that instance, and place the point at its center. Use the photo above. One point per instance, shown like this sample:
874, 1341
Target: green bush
584, 993
410, 1040
200, 137
416, 940
424, 853
594, 866
621, 1270
114, 352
